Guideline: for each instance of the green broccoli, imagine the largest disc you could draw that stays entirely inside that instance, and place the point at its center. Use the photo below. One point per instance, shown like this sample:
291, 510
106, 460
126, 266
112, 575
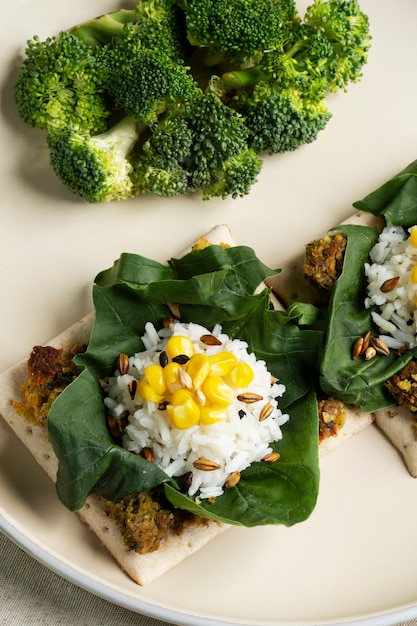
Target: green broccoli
158, 25
305, 61
144, 81
281, 120
236, 30
212, 84
202, 146
62, 82
142, 54
96, 168
282, 96
101, 30
347, 29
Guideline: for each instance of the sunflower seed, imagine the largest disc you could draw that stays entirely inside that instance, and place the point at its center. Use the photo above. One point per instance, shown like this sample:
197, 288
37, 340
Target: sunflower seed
271, 457
389, 284
123, 364
210, 340
380, 346
357, 348
249, 397
148, 455
266, 411
232, 480
132, 386
206, 465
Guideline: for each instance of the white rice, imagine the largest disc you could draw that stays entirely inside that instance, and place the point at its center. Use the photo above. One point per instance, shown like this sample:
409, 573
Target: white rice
393, 255
234, 443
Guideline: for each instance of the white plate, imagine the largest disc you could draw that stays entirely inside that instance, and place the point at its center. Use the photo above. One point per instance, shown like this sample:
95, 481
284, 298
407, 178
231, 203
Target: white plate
354, 560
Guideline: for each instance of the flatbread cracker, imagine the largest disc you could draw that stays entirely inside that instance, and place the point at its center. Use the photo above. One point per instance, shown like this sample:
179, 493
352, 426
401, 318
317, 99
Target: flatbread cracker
356, 420
399, 426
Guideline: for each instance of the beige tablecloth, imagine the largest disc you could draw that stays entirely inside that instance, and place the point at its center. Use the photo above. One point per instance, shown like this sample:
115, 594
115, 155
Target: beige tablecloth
31, 594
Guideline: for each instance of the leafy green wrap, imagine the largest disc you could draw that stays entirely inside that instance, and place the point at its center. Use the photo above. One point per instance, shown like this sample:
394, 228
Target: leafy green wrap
357, 381
395, 200
209, 286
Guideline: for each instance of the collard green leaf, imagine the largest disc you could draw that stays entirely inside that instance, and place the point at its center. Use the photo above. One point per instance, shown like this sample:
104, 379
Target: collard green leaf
210, 286
395, 200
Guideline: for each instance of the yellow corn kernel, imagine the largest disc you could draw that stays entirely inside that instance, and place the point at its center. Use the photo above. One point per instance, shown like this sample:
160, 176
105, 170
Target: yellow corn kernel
198, 368
217, 392
414, 274
242, 375
171, 376
211, 415
222, 363
183, 411
179, 345
413, 237
145, 391
154, 375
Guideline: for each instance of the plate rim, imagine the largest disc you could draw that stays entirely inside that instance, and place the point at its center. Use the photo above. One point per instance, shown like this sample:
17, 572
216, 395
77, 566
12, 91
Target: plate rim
52, 562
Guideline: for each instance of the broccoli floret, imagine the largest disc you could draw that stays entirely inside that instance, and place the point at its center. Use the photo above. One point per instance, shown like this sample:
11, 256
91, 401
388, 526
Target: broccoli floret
62, 82
202, 146
306, 61
347, 29
142, 52
236, 30
158, 25
160, 166
281, 120
211, 83
162, 27
96, 168
145, 82
282, 97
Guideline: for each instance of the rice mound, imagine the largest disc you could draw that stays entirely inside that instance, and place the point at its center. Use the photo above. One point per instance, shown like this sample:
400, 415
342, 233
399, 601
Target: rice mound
234, 443
392, 257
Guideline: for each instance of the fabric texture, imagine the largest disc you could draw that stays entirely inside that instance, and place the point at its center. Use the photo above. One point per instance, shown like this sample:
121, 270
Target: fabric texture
33, 595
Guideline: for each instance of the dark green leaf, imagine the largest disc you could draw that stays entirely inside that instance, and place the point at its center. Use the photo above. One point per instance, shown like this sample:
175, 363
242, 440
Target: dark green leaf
283, 492
210, 286
355, 381
89, 458
396, 200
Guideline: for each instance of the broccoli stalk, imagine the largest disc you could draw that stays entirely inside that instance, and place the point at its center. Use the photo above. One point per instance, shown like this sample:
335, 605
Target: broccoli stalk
158, 25
101, 30
97, 168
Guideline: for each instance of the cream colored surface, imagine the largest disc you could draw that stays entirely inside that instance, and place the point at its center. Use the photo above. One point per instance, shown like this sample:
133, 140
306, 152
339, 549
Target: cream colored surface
355, 558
